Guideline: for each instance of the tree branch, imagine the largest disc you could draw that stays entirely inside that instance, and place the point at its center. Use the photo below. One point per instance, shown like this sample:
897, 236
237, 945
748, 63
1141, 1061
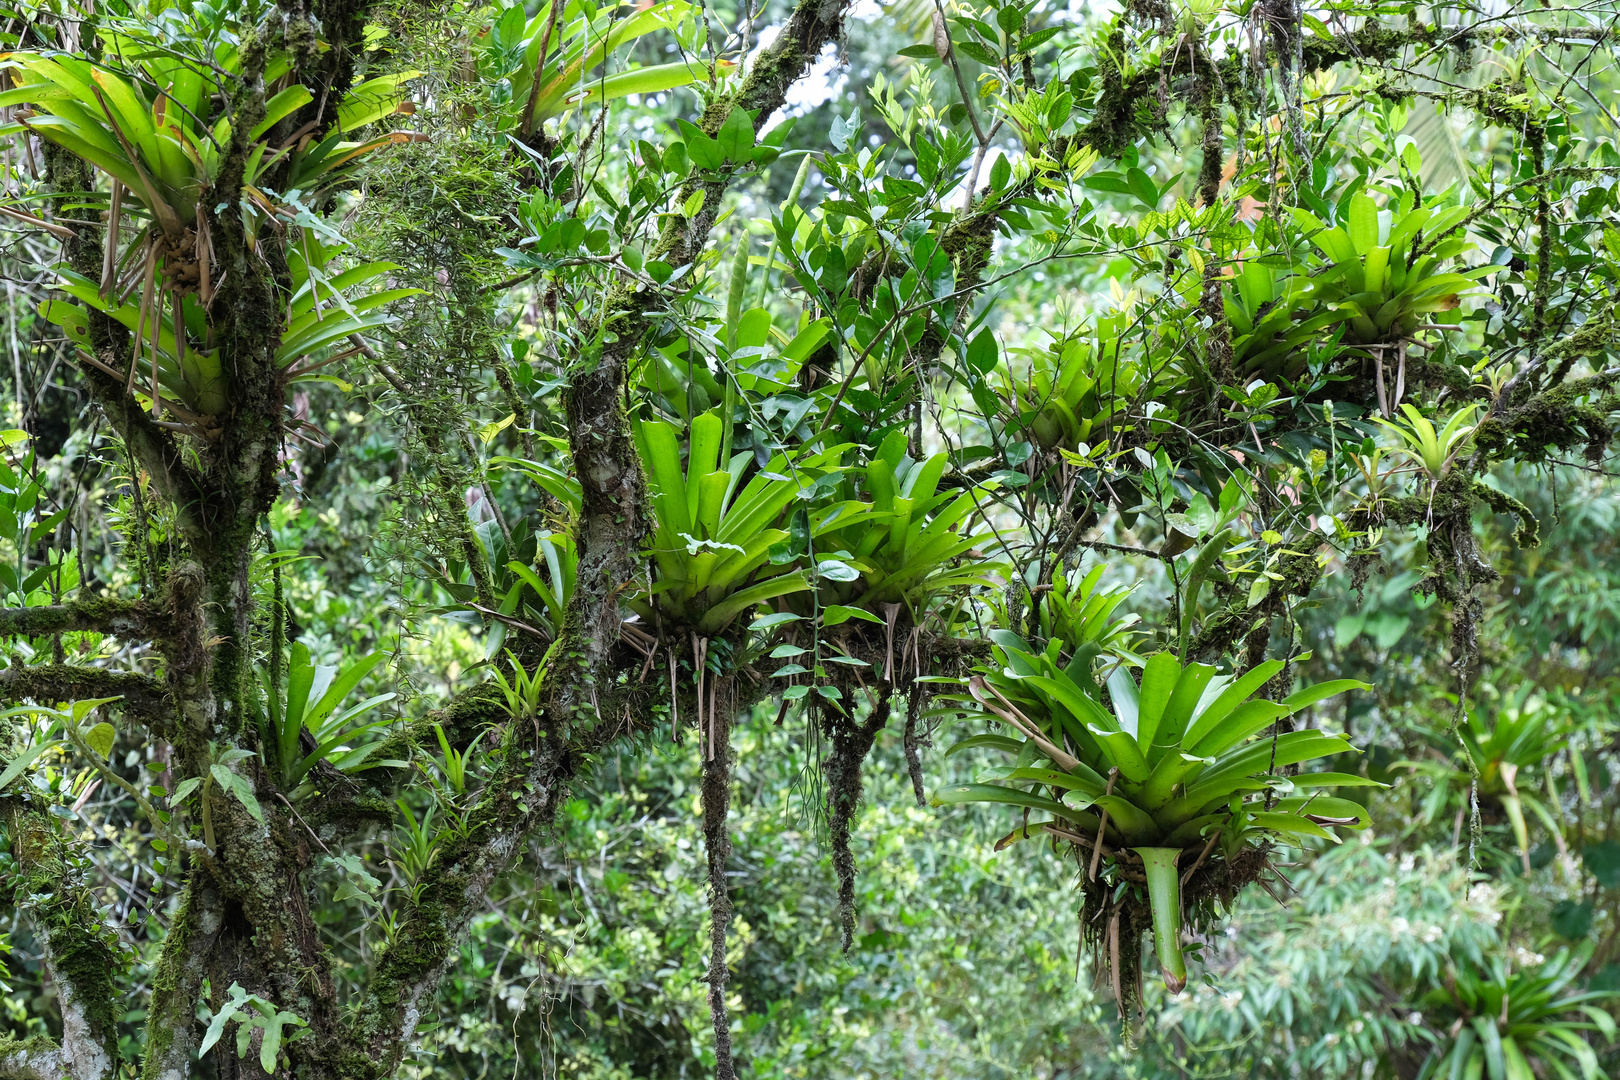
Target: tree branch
177, 982
132, 620
34, 1058
142, 695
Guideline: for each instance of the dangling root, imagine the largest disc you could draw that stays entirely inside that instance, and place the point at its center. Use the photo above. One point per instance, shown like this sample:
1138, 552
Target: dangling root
915, 701
716, 802
851, 743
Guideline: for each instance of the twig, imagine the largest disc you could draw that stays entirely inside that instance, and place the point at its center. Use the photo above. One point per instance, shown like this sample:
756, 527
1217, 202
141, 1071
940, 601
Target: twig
1102, 827
304, 823
1202, 855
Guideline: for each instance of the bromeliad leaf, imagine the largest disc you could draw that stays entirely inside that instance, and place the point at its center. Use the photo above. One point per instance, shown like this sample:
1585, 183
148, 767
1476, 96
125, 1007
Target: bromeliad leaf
1173, 761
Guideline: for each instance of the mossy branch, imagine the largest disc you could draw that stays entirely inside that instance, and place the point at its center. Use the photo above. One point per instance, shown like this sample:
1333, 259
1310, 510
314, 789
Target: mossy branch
74, 947
132, 620
171, 1020
716, 787
1557, 418
144, 697
34, 1058
1528, 534
851, 743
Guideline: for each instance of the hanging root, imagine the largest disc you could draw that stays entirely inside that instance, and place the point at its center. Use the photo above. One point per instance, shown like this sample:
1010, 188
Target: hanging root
851, 742
716, 802
915, 702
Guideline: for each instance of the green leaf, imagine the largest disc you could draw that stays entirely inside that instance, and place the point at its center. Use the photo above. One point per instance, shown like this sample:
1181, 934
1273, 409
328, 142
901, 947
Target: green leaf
991, 742
693, 203
216, 1026
84, 708
348, 890
1000, 173
26, 758
704, 151
280, 107
372, 100
644, 80
1142, 187
270, 1048
768, 622
837, 570
960, 794
1290, 824
833, 614
100, 739
983, 353
736, 135
487, 433
1312, 694
238, 786
978, 52
1259, 589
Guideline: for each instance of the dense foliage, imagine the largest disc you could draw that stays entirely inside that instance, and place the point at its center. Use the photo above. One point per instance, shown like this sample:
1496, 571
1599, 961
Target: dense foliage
809, 539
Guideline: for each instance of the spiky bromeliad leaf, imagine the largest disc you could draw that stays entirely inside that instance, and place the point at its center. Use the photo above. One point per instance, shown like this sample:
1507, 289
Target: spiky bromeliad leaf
577, 41
910, 543
1175, 760
313, 700
1378, 281
1073, 389
713, 533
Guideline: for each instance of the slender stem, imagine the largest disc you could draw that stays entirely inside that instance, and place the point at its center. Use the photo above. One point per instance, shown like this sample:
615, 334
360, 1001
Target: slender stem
792, 200
977, 166
74, 735
961, 83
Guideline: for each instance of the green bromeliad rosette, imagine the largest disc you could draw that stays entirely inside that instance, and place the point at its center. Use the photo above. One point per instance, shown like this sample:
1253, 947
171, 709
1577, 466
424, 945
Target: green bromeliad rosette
1169, 792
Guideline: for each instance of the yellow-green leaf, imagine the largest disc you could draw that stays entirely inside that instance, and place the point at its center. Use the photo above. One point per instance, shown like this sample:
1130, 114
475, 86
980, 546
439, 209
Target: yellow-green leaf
488, 432
100, 739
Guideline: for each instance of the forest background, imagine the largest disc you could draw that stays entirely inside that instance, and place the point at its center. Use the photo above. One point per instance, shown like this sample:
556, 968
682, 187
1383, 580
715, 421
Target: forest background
409, 476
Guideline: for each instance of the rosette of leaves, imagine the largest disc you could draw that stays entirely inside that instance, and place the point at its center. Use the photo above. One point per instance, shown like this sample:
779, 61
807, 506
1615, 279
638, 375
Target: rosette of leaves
158, 128
1079, 611
311, 701
531, 577
1385, 274
908, 544
1074, 389
713, 532
1270, 331
1170, 779
1517, 1025
327, 309
760, 361
530, 572
1524, 733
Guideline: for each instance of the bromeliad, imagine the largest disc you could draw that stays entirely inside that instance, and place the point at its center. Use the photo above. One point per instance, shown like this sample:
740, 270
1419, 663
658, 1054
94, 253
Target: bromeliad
1173, 779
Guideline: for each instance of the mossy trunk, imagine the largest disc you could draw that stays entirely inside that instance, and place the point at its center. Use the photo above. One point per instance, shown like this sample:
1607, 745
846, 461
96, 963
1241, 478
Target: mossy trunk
76, 947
